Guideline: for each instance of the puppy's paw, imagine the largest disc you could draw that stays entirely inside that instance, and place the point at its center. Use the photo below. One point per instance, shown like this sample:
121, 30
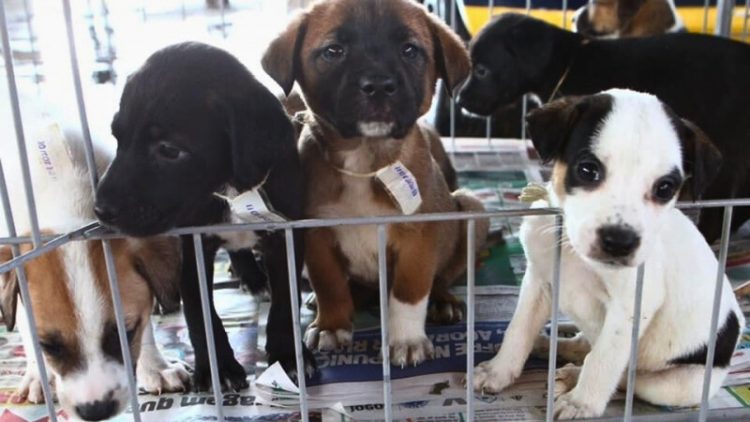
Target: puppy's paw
571, 406
492, 377
566, 379
411, 351
30, 388
445, 310
231, 375
284, 353
326, 340
164, 377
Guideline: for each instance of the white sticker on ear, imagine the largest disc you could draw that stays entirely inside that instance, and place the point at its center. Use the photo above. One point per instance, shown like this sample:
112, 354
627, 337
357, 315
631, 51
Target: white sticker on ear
251, 207
402, 186
51, 148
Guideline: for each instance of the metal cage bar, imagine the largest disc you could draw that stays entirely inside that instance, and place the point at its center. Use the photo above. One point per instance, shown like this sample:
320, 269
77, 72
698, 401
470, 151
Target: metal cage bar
471, 253
291, 261
630, 392
554, 319
127, 358
384, 337
207, 324
745, 20
23, 156
23, 287
724, 248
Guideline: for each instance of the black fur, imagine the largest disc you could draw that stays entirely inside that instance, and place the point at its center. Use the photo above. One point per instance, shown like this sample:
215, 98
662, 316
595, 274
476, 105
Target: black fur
193, 121
703, 78
726, 341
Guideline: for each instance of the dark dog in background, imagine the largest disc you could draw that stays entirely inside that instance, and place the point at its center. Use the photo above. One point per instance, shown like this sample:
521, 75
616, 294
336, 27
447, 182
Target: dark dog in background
703, 78
627, 18
193, 122
368, 69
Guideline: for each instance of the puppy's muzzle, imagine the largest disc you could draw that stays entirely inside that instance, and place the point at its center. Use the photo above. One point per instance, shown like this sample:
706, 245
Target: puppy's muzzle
377, 86
618, 241
97, 410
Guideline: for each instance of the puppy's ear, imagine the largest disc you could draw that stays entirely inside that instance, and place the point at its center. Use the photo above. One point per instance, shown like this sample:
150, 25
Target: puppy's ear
282, 57
451, 57
260, 134
701, 160
8, 290
159, 261
550, 125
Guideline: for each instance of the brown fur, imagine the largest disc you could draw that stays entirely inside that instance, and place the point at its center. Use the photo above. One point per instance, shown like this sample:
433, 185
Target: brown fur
145, 268
417, 253
558, 180
631, 18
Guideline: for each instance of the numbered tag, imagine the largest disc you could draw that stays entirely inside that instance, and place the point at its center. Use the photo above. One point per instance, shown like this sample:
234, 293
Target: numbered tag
46, 139
402, 186
251, 207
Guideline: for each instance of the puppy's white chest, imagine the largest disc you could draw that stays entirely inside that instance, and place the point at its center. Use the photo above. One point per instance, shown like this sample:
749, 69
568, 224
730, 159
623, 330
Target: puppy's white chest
359, 244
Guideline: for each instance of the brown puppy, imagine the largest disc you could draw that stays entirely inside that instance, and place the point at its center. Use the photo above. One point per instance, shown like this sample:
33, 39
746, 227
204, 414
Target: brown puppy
627, 18
368, 69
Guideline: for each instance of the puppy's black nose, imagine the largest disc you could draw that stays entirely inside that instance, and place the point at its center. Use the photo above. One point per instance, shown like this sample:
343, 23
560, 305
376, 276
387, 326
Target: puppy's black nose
106, 213
96, 410
373, 85
618, 241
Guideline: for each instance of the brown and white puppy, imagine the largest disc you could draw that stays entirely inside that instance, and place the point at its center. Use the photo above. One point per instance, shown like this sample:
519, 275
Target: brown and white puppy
71, 298
367, 70
627, 18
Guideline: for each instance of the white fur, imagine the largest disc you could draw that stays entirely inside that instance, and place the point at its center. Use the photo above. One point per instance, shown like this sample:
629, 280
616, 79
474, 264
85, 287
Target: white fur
408, 341
375, 129
234, 241
636, 144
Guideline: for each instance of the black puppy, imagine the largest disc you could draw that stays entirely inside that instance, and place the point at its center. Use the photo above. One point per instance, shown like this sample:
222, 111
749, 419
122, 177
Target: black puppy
194, 122
703, 78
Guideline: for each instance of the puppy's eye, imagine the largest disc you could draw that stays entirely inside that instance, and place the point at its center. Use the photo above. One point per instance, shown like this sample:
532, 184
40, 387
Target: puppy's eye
480, 71
589, 172
53, 348
169, 151
664, 190
410, 51
333, 52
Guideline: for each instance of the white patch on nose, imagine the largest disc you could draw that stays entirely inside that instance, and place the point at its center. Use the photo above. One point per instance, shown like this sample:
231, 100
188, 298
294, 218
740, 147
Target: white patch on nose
102, 377
375, 129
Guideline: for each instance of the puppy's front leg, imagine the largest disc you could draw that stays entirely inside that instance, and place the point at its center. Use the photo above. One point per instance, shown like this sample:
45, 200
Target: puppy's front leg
415, 267
154, 373
532, 312
332, 327
603, 367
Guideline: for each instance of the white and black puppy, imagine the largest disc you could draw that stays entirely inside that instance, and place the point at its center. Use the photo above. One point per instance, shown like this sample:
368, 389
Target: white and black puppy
620, 158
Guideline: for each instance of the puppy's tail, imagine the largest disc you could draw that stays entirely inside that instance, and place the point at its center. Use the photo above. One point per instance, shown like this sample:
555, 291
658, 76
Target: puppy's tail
465, 201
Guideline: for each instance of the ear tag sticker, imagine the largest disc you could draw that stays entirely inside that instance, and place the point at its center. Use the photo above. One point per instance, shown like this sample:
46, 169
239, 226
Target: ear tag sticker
46, 138
402, 186
251, 207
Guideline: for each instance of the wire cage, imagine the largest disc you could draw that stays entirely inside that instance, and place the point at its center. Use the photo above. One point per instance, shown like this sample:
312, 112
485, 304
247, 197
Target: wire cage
455, 12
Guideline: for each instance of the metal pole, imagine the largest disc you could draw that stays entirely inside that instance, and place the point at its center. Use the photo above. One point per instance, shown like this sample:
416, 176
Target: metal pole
489, 118
706, 4
724, 9
223, 19
383, 290
207, 324
18, 125
450, 89
565, 14
294, 292
726, 225
127, 359
73, 54
745, 20
634, 343
470, 315
32, 42
23, 285
553, 326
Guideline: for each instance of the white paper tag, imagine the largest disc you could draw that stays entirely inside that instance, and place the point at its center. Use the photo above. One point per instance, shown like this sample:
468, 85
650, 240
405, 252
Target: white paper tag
251, 207
402, 186
45, 147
